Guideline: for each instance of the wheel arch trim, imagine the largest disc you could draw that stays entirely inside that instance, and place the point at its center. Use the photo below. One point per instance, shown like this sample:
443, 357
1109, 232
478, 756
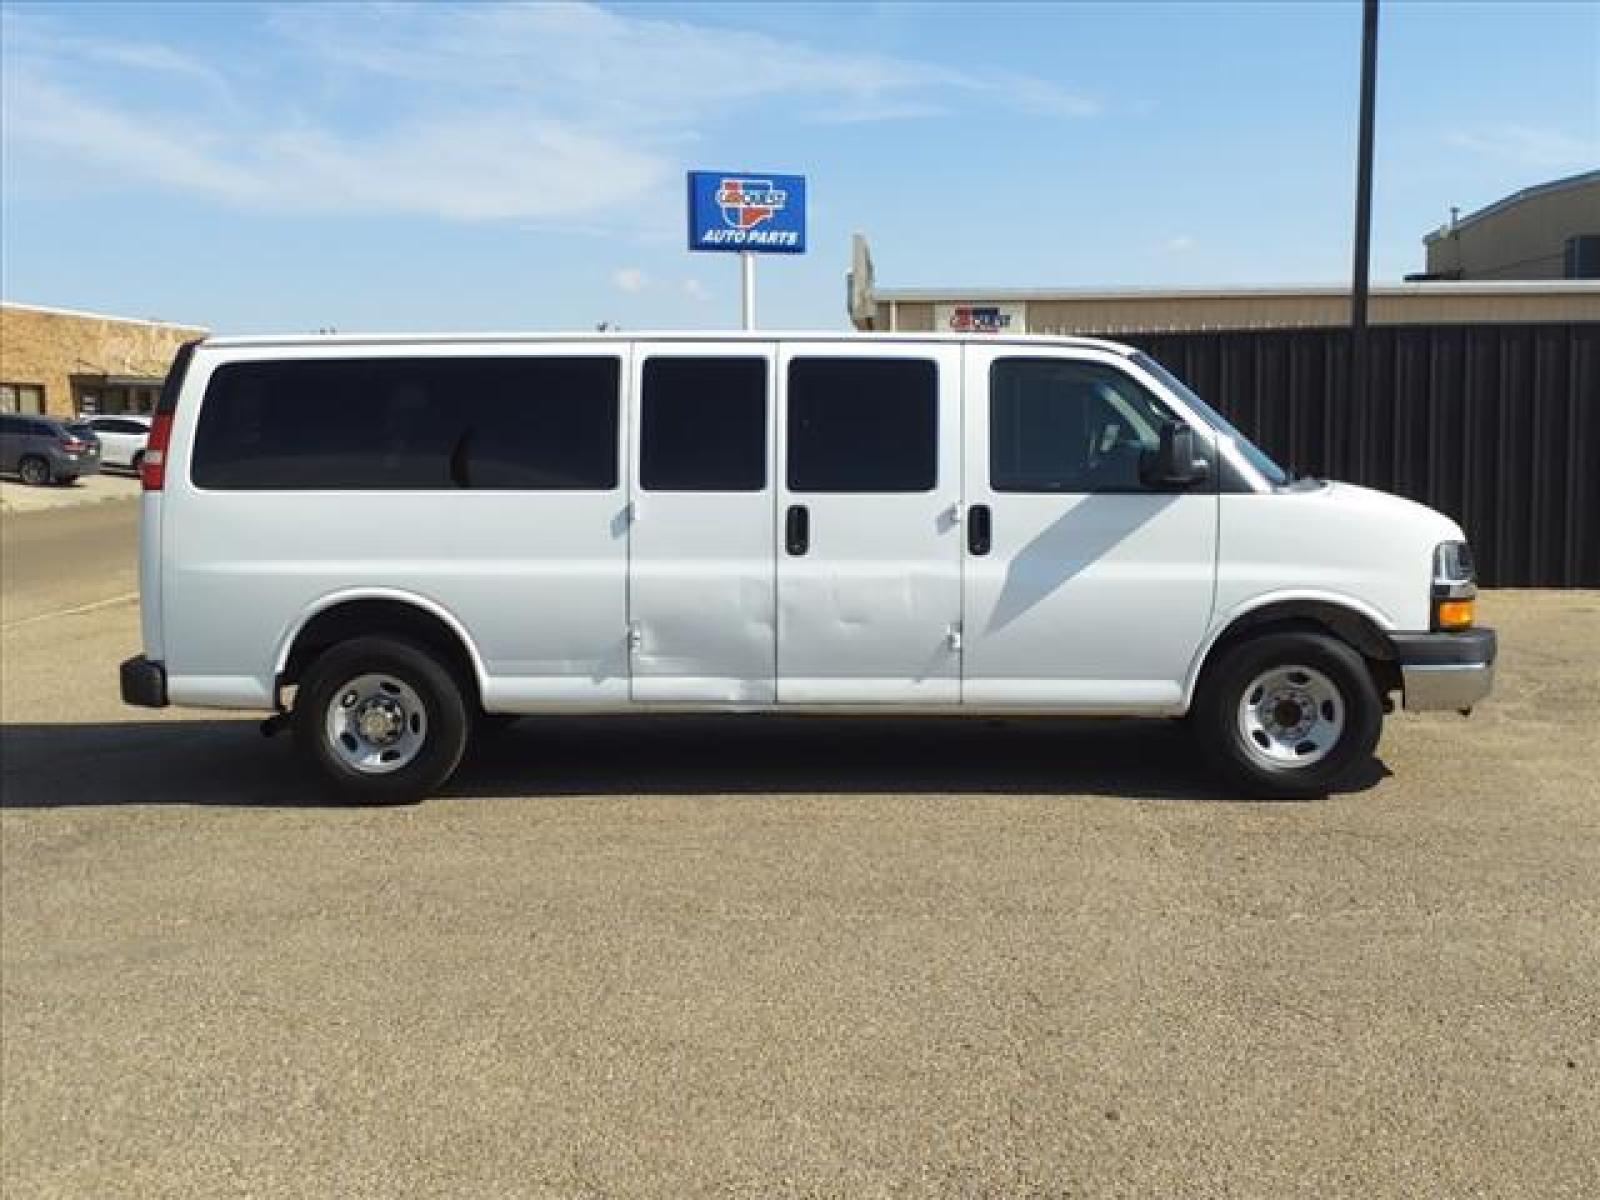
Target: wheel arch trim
333, 600
1302, 603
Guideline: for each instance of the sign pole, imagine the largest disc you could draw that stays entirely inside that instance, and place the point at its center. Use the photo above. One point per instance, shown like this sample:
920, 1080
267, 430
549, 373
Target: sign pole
747, 214
747, 300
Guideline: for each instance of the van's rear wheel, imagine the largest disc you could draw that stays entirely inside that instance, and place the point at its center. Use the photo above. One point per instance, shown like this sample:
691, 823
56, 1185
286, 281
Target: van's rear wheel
1288, 714
380, 721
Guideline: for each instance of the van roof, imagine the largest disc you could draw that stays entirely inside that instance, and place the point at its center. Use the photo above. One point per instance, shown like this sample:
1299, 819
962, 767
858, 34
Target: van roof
708, 335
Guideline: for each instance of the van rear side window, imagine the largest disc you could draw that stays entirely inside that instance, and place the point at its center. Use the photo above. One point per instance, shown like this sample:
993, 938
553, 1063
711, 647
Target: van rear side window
529, 424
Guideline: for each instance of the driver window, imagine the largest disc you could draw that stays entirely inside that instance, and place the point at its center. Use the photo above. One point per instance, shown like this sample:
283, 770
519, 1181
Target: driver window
1061, 426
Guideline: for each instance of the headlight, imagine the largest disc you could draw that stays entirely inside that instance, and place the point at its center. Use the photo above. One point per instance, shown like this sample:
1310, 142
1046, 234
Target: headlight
1452, 563
1454, 586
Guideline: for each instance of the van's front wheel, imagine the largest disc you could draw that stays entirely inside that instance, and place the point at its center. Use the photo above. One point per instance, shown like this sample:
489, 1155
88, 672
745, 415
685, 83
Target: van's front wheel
380, 721
1288, 714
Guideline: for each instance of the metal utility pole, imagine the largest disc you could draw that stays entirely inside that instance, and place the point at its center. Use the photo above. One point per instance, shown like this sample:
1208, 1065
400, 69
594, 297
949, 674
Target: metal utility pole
1363, 253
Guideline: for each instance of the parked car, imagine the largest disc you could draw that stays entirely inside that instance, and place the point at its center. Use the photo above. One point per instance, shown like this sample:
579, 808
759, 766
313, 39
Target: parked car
414, 533
44, 450
122, 438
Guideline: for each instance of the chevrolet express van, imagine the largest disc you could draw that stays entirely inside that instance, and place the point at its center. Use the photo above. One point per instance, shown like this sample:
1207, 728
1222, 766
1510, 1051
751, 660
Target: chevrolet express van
385, 541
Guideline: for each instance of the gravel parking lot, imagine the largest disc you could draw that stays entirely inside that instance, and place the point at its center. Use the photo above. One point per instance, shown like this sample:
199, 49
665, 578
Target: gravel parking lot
775, 957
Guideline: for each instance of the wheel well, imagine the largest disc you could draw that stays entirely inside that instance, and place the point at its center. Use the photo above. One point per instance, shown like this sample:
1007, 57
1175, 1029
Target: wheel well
1357, 631
364, 618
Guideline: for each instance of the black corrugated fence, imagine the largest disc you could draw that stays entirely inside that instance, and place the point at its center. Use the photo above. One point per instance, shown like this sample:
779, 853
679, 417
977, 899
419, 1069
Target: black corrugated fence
1497, 425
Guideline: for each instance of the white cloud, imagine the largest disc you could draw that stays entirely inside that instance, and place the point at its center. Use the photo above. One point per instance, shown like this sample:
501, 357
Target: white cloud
39, 36
465, 169
1528, 146
592, 62
695, 290
1178, 245
565, 113
630, 279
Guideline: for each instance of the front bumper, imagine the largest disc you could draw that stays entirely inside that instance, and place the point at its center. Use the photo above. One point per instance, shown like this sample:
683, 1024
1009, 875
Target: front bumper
144, 683
1445, 671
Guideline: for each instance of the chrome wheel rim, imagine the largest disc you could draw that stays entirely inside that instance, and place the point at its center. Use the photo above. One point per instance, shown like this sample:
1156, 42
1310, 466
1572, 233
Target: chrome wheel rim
1291, 716
33, 471
376, 724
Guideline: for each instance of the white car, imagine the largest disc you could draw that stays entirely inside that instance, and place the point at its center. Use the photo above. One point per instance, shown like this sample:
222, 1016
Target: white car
411, 532
122, 439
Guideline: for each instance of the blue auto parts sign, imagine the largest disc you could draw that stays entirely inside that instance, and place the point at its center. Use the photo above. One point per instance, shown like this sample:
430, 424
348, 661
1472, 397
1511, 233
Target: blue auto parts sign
755, 211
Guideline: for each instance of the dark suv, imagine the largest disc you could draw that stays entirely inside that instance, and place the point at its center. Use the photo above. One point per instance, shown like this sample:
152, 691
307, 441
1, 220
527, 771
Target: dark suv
45, 450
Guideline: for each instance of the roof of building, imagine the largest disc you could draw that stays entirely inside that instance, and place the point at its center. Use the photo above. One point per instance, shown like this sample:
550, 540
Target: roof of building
1582, 179
1482, 287
96, 316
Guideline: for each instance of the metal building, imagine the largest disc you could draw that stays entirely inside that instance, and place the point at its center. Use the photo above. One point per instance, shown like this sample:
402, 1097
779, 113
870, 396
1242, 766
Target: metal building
1111, 312
1549, 231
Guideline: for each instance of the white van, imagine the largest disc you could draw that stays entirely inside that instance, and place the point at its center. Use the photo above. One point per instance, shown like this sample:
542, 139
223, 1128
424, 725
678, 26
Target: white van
383, 540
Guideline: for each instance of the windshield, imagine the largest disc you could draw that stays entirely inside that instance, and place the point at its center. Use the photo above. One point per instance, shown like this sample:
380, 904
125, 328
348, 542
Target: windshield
1259, 459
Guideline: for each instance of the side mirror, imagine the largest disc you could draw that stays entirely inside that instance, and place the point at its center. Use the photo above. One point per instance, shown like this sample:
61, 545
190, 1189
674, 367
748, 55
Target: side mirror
1176, 461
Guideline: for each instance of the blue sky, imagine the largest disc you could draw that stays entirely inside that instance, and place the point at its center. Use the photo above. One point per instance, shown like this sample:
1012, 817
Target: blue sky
397, 166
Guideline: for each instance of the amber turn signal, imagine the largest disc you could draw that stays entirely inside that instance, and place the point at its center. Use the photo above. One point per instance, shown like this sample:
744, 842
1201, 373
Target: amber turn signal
1454, 614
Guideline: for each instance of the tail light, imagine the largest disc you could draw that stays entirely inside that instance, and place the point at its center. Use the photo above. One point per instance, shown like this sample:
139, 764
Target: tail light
74, 445
153, 466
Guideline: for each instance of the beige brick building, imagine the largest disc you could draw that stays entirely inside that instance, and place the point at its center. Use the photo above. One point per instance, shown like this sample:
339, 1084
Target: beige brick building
61, 362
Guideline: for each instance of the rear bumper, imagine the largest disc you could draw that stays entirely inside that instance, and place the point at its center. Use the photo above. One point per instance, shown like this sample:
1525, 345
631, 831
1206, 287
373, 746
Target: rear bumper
1445, 671
144, 683
63, 463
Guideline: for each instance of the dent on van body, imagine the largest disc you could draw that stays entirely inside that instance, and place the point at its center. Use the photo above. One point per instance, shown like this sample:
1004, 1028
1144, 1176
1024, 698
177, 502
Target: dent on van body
243, 570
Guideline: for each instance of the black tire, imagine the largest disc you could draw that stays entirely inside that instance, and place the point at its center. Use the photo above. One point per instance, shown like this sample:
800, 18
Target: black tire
137, 464
492, 725
1354, 718
34, 471
445, 720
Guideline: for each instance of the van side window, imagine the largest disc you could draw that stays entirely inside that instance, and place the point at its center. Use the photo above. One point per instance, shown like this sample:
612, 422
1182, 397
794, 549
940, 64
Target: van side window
704, 425
863, 425
527, 424
1062, 426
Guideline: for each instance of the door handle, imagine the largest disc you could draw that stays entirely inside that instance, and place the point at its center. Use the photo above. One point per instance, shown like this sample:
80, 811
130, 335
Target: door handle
980, 532
797, 530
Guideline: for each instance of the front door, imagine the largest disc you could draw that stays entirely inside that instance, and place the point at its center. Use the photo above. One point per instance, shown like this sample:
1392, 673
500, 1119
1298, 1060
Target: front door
1085, 588
869, 547
701, 599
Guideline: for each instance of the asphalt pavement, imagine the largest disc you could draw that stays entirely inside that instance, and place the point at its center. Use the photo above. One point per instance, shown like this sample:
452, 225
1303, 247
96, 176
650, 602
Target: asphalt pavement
67, 557
787, 957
